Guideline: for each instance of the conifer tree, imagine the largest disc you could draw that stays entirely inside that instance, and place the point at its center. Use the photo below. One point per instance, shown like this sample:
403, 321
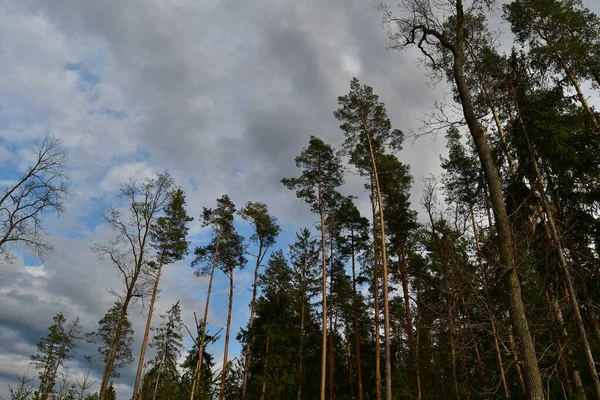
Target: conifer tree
53, 350
317, 185
443, 40
167, 341
220, 220
168, 238
368, 131
265, 233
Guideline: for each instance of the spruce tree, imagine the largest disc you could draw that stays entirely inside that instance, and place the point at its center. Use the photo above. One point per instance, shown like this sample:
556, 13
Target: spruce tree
53, 350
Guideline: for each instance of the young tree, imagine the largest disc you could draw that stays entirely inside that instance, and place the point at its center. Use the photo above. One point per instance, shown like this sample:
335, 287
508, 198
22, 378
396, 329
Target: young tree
167, 341
128, 251
304, 256
368, 131
53, 350
168, 238
38, 191
220, 220
442, 36
265, 233
114, 338
317, 185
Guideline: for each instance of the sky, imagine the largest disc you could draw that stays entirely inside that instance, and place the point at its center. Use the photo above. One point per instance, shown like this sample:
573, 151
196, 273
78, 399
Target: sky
222, 95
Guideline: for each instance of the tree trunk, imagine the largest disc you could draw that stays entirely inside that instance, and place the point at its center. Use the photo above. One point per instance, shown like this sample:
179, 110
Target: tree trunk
355, 321
324, 294
505, 240
225, 351
198, 369
376, 293
384, 278
300, 364
331, 353
492, 319
556, 316
156, 384
252, 308
138, 376
263, 389
112, 354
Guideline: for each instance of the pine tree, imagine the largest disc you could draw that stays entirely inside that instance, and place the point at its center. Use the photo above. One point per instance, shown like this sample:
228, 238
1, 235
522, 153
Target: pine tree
168, 237
220, 220
53, 350
265, 233
317, 185
368, 131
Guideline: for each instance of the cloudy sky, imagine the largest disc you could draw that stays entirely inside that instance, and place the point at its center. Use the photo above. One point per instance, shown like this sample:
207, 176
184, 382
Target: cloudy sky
221, 94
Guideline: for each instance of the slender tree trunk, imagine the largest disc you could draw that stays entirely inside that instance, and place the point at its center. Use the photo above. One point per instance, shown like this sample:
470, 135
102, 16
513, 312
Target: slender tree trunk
357, 339
417, 337
409, 327
156, 384
376, 293
324, 294
556, 243
349, 358
580, 96
198, 369
505, 239
252, 308
556, 315
480, 363
384, 278
331, 327
300, 363
263, 389
492, 319
138, 376
226, 350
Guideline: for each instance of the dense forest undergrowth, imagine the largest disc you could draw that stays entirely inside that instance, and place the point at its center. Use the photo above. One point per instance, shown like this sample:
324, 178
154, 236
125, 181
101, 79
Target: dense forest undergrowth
493, 292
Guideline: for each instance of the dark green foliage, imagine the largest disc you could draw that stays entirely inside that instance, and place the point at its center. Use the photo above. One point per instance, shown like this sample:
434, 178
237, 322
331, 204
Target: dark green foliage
167, 341
105, 336
169, 232
53, 351
322, 172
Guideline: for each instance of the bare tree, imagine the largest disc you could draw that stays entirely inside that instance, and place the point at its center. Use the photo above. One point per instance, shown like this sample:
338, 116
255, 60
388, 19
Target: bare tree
128, 251
38, 191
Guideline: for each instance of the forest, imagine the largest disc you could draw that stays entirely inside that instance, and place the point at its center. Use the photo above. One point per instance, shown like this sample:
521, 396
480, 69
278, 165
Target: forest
490, 291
